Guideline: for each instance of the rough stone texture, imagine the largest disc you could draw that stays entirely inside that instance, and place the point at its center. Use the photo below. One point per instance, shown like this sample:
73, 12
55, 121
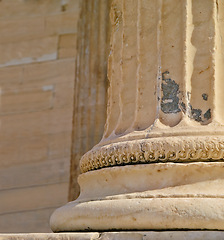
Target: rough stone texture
90, 83
165, 81
175, 235
37, 72
154, 196
164, 111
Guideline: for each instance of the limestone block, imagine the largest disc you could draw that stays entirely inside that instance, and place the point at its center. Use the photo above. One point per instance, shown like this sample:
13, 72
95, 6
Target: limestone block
19, 10
66, 53
59, 145
26, 221
17, 101
38, 148
67, 41
18, 30
49, 72
17, 200
67, 46
29, 22
63, 23
31, 150
37, 50
36, 123
71, 5
38, 173
36, 109
63, 94
11, 76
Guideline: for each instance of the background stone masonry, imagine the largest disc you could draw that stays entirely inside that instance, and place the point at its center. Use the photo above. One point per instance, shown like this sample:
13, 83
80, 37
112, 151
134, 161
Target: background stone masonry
37, 72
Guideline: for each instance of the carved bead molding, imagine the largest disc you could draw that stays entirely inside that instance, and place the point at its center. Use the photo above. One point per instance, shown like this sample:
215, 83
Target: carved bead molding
170, 149
165, 106
165, 68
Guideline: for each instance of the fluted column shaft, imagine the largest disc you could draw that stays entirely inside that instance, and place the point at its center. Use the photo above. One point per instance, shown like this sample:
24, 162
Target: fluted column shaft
165, 81
160, 162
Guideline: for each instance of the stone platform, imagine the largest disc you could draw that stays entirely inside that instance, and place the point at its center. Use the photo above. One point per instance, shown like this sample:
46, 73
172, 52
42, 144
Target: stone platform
143, 235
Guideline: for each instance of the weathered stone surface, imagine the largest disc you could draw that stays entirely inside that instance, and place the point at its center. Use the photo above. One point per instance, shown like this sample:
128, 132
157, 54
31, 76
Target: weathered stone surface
16, 199
164, 119
154, 196
90, 82
39, 173
175, 235
19, 10
164, 97
67, 46
37, 72
24, 52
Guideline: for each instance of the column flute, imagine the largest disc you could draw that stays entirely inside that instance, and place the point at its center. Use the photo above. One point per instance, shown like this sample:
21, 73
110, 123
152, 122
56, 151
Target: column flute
160, 162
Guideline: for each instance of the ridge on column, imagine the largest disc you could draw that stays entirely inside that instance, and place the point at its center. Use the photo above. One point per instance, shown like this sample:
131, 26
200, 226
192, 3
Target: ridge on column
90, 83
160, 162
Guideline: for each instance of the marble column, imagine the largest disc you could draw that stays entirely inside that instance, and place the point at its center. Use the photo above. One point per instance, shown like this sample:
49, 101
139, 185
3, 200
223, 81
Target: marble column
160, 162
90, 83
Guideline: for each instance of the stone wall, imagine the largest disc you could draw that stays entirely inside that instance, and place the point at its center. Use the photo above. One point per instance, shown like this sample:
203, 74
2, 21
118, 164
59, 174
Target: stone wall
37, 72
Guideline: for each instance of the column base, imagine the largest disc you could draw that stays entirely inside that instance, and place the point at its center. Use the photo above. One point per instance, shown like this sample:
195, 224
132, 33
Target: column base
142, 214
147, 197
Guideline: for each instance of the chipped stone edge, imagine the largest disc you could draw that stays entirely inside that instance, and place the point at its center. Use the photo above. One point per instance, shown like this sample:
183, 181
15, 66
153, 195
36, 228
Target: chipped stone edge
135, 235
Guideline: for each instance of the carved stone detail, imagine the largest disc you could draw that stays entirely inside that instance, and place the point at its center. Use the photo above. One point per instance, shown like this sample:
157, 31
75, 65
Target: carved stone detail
165, 123
168, 149
173, 80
